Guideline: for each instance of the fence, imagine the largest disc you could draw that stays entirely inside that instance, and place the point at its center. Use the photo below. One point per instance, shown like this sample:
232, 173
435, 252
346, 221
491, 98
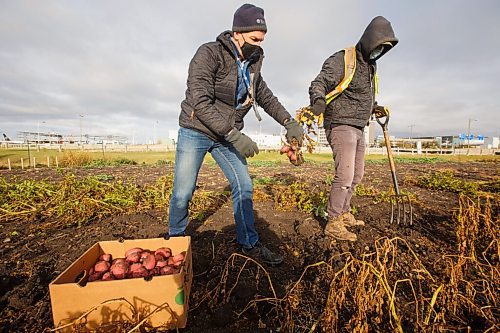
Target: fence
32, 162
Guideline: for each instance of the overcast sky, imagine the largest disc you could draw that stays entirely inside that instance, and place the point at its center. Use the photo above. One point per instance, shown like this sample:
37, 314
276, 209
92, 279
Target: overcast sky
123, 65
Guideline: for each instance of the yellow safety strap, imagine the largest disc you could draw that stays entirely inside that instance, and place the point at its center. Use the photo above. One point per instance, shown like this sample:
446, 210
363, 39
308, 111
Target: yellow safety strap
349, 70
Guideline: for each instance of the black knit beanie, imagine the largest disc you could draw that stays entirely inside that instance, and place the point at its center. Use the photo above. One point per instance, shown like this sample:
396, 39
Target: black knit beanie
249, 18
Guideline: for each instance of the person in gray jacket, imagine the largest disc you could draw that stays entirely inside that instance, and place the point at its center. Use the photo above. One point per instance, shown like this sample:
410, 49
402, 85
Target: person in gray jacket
345, 118
224, 84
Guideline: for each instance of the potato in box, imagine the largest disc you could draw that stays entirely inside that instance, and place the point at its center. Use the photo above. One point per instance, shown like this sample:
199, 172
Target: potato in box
162, 299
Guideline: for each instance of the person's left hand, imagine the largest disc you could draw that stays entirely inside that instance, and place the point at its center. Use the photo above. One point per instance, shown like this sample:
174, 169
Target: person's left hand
294, 130
319, 106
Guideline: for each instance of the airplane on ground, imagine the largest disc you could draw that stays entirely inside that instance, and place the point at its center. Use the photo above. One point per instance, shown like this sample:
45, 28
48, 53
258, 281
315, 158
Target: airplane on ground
7, 140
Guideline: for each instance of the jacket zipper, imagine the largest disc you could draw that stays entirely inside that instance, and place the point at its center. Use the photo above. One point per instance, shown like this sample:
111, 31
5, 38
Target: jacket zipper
372, 88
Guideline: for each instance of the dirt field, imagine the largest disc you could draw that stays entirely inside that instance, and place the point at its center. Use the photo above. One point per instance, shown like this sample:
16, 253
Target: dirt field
389, 280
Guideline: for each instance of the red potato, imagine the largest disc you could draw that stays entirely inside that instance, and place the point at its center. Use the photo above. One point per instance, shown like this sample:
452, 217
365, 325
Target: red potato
290, 153
145, 253
101, 266
149, 261
119, 270
108, 276
171, 262
180, 256
135, 266
161, 263
158, 257
118, 260
176, 260
140, 272
133, 250
155, 271
285, 149
293, 157
95, 276
105, 257
165, 252
168, 270
133, 258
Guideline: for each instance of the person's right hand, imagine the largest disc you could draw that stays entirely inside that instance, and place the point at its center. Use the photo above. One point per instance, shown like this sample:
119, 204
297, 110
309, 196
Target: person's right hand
242, 143
319, 106
380, 111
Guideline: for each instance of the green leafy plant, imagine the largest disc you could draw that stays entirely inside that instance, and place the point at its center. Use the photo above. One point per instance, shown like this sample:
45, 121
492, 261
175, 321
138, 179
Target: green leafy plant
329, 179
163, 162
104, 177
267, 180
124, 161
445, 180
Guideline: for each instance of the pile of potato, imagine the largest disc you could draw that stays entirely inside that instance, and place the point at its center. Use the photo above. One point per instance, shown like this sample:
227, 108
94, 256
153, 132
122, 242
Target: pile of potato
137, 263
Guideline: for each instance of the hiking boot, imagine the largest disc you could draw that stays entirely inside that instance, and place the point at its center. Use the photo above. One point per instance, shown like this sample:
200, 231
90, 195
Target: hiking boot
335, 228
350, 221
261, 253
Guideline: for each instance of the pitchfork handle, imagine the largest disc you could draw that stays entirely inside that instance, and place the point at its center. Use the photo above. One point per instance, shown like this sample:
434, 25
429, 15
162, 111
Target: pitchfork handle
391, 161
384, 125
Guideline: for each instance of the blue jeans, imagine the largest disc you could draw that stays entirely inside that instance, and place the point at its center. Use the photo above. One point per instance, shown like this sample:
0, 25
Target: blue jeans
192, 147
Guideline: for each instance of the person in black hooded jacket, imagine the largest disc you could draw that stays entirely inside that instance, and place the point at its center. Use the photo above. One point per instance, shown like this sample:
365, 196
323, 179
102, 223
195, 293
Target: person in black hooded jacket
224, 83
345, 118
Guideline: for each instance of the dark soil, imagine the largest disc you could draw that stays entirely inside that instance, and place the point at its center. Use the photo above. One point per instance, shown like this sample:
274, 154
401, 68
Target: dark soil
31, 258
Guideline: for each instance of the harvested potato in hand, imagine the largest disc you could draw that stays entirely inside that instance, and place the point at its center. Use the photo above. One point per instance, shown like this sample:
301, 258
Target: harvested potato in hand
293, 153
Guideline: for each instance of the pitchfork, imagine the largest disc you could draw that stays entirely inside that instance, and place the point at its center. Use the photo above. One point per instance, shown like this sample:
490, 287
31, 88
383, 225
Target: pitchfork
400, 203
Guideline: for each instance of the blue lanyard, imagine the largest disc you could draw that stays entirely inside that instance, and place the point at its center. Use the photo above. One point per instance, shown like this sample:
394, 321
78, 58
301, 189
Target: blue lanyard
246, 79
244, 71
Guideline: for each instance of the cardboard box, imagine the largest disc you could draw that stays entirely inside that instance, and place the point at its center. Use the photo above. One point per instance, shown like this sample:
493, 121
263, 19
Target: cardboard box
71, 296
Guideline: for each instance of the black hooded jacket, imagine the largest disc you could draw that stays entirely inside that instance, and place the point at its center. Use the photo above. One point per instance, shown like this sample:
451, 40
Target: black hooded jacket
354, 106
209, 106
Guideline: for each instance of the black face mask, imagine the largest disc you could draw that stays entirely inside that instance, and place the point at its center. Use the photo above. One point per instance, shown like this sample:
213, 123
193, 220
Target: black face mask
249, 51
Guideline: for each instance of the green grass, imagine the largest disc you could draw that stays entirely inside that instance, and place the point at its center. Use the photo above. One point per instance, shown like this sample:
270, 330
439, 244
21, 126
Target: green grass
100, 159
166, 158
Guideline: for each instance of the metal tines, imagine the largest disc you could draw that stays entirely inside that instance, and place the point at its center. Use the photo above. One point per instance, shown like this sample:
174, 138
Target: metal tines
401, 205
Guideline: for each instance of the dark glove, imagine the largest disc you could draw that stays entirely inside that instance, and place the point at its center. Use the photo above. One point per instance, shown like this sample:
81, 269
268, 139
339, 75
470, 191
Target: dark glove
380, 111
319, 106
242, 143
294, 130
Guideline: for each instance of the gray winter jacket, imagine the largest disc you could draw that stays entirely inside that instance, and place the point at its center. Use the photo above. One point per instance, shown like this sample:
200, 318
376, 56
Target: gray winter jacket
354, 106
209, 106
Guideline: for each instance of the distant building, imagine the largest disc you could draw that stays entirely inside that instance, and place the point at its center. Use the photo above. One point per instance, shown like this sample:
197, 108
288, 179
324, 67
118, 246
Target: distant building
369, 134
56, 138
322, 140
266, 140
468, 140
492, 142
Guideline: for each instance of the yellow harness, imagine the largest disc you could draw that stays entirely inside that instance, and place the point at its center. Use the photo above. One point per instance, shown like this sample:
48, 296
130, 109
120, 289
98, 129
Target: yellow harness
349, 70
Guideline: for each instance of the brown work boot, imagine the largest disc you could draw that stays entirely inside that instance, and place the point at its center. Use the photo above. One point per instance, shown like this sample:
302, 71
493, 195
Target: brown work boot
335, 228
350, 221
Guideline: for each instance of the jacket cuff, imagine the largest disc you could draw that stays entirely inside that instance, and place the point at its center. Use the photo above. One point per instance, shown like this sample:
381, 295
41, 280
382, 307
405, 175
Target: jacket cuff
315, 98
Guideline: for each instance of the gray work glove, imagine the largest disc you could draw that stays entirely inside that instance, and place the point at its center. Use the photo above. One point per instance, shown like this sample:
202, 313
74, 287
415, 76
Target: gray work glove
294, 130
319, 106
242, 143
